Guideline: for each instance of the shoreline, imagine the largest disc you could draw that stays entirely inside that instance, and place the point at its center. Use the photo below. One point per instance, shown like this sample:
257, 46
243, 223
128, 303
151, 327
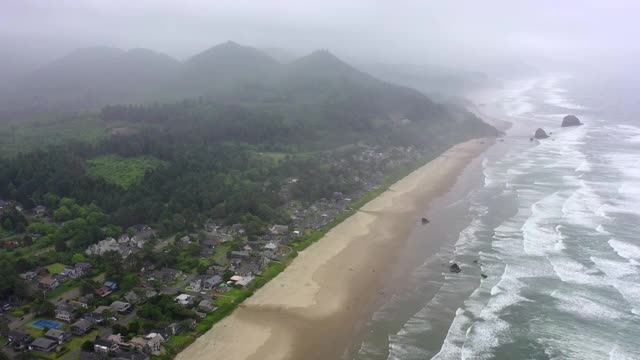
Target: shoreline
312, 309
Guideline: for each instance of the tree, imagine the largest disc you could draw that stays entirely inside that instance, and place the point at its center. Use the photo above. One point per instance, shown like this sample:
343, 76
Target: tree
27, 240
202, 269
119, 329
134, 327
78, 258
62, 214
46, 308
61, 245
87, 346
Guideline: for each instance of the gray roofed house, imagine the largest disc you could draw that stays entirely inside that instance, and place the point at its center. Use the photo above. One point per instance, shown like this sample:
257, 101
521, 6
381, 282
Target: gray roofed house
239, 254
121, 306
43, 344
132, 297
60, 336
40, 209
18, 338
105, 346
66, 312
279, 229
81, 327
211, 282
206, 305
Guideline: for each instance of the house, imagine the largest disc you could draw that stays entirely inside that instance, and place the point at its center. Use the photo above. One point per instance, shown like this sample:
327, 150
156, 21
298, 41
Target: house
111, 285
95, 318
184, 299
271, 246
150, 344
70, 273
121, 307
184, 241
206, 306
239, 254
211, 282
61, 278
43, 344
48, 283
279, 229
40, 210
28, 276
80, 303
66, 312
102, 309
83, 267
244, 281
209, 243
60, 336
19, 338
42, 271
103, 291
105, 346
174, 329
117, 338
247, 248
132, 297
167, 274
195, 285
150, 293
81, 327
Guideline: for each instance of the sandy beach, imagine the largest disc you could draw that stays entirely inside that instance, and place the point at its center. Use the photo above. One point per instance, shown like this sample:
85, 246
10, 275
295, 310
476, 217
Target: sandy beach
313, 308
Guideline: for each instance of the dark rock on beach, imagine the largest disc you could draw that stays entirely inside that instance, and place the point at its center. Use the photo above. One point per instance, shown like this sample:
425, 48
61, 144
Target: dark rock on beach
484, 276
570, 120
454, 268
540, 134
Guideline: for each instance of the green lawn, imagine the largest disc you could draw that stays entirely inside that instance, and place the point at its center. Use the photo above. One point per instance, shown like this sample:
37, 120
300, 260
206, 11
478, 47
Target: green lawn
124, 172
55, 268
57, 292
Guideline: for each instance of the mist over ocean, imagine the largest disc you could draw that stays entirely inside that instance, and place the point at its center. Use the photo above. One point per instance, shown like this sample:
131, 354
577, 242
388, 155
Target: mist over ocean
554, 226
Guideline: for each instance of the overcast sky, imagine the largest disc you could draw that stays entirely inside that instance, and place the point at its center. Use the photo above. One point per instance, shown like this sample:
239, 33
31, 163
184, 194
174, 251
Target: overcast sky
450, 32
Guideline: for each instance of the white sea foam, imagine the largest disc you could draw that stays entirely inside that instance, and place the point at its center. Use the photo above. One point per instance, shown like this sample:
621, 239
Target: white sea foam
626, 250
582, 305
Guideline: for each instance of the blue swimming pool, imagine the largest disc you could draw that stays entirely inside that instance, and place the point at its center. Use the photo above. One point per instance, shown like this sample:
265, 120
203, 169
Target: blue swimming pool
42, 323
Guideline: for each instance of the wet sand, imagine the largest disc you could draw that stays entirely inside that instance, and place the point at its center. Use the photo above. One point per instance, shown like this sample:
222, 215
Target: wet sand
312, 309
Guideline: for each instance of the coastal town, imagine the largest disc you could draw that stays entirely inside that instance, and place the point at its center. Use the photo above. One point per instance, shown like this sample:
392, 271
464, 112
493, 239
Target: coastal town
139, 294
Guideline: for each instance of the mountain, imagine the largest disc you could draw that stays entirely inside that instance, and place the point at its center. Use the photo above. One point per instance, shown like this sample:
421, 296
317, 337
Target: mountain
217, 70
92, 77
280, 55
318, 91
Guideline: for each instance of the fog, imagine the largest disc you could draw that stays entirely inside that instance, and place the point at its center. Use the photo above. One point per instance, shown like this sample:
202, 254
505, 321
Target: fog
476, 35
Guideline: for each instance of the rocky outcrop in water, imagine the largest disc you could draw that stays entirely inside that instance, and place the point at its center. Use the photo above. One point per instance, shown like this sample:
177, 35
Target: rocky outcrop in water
570, 120
455, 268
540, 134
425, 221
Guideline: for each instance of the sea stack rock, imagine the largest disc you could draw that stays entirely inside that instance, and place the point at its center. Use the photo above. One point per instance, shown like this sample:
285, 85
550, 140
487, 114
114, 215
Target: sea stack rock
540, 134
425, 221
570, 120
455, 268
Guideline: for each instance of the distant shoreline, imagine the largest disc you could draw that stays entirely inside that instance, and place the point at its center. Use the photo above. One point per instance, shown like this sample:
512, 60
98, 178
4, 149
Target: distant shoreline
311, 309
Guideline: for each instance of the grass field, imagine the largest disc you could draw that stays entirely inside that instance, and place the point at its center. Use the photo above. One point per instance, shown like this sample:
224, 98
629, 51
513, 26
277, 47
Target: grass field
123, 172
55, 268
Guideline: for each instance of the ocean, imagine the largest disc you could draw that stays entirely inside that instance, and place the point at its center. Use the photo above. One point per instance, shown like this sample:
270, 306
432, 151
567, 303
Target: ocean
554, 225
